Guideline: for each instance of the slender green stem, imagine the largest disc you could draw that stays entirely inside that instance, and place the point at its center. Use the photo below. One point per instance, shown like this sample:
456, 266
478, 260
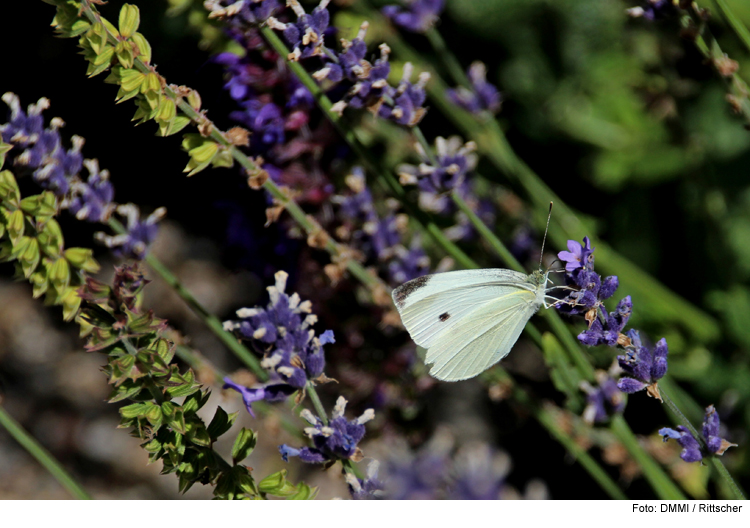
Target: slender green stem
486, 233
736, 24
726, 477
315, 399
449, 59
42, 456
664, 487
679, 416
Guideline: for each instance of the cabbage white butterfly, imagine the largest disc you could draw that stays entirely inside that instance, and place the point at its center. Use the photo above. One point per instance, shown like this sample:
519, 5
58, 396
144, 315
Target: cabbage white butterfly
469, 320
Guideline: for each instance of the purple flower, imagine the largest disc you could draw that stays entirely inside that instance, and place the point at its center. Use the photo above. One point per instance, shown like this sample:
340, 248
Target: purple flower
403, 104
482, 97
711, 425
588, 288
93, 200
455, 160
608, 332
305, 36
140, 233
692, 451
417, 16
604, 400
645, 366
243, 11
272, 393
264, 119
369, 488
23, 128
336, 441
578, 256
281, 331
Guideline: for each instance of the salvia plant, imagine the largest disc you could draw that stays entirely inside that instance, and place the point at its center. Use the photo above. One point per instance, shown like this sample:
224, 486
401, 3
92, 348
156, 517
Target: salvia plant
347, 148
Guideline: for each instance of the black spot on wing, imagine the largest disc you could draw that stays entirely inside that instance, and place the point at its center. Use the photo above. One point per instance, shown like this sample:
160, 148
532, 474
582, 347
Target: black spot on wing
444, 316
401, 293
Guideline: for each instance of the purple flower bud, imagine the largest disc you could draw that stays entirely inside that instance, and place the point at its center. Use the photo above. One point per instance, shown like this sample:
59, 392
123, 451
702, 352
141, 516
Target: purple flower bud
608, 287
630, 385
416, 16
482, 97
691, 448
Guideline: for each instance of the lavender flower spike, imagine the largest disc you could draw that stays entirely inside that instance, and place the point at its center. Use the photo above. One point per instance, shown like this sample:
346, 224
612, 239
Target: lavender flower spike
692, 451
645, 367
281, 331
336, 441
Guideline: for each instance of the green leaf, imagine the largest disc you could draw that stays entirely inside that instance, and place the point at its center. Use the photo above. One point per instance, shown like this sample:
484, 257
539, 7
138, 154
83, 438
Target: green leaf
243, 445
277, 484
197, 434
195, 401
127, 390
130, 19
30, 258
304, 492
221, 423
101, 62
59, 274
131, 79
71, 302
15, 225
144, 48
51, 239
135, 410
82, 258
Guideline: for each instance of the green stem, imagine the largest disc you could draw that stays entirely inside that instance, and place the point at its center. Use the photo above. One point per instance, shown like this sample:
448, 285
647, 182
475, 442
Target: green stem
449, 59
486, 233
726, 477
315, 399
42, 456
664, 487
736, 24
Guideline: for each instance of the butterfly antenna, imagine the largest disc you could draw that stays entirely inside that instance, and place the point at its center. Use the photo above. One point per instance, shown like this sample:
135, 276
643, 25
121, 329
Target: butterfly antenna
549, 215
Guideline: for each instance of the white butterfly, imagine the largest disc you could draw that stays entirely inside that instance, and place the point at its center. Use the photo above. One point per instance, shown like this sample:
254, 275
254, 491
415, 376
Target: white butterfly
469, 320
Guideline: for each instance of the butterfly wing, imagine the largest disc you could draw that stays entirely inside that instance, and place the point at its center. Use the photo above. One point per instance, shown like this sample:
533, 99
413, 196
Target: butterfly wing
486, 336
468, 320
